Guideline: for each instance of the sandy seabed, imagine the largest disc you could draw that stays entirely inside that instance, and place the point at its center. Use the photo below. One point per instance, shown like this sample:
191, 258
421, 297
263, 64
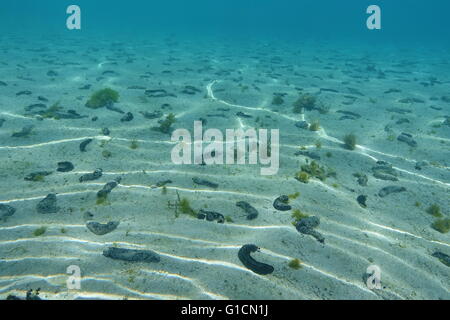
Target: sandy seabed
377, 97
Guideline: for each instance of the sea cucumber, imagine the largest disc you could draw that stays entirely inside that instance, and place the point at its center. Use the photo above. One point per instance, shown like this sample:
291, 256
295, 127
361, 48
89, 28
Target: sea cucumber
350, 114
211, 216
252, 213
131, 255
34, 106
362, 201
408, 139
84, 144
411, 100
206, 183
110, 106
6, 211
152, 115
102, 229
22, 93
402, 121
445, 259
65, 166
362, 179
390, 189
399, 110
281, 203
190, 90
107, 188
26, 131
252, 264
37, 176
302, 124
127, 117
420, 164
243, 115
159, 94
384, 171
48, 204
307, 225
97, 174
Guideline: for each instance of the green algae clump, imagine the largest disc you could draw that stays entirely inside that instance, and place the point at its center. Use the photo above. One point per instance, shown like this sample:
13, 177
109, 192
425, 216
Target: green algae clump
102, 200
302, 176
305, 101
102, 98
294, 196
441, 225
350, 141
52, 111
434, 210
134, 145
317, 171
277, 100
185, 207
295, 264
297, 215
165, 125
315, 126
39, 231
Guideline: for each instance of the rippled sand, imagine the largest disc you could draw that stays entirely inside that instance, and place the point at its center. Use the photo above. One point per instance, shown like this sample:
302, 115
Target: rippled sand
198, 258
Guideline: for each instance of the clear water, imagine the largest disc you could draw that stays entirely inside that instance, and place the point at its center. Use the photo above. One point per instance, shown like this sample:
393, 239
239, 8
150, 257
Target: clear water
358, 132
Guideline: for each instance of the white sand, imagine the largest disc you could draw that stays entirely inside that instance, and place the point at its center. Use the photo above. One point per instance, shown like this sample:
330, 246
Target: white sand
199, 258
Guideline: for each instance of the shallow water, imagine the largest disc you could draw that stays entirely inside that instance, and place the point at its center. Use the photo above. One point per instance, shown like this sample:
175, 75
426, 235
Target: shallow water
81, 183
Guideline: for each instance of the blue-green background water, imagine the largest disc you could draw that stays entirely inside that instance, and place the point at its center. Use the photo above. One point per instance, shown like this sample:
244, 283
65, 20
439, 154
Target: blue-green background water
414, 22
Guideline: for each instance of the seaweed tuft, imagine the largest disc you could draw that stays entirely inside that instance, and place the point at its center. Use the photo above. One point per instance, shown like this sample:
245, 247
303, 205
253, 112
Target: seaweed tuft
103, 98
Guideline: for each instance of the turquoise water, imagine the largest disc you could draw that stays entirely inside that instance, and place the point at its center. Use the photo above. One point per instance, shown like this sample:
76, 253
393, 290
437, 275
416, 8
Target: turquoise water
110, 187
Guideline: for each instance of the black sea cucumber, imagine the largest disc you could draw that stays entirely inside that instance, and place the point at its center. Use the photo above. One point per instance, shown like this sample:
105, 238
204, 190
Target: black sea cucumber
362, 201
65, 166
26, 131
281, 203
102, 229
97, 174
107, 188
205, 183
252, 213
252, 264
390, 189
127, 117
445, 259
408, 139
6, 211
307, 225
84, 144
48, 204
131, 255
37, 176
211, 216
